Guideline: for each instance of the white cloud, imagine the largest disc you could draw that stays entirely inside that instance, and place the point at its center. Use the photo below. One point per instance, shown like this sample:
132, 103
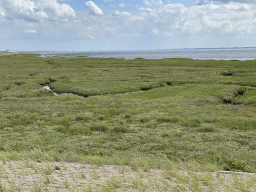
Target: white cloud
155, 31
91, 37
122, 5
203, 2
157, 19
109, 28
36, 10
153, 2
2, 12
94, 9
30, 31
231, 17
146, 9
121, 14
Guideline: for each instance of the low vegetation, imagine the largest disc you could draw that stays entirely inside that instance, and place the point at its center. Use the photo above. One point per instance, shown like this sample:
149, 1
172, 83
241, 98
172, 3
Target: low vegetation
195, 115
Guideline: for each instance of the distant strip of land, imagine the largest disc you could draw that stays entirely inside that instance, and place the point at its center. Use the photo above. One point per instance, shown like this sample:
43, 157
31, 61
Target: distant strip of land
7, 52
41, 51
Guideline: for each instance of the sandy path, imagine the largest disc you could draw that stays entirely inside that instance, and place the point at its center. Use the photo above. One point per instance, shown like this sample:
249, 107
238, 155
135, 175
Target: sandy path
63, 176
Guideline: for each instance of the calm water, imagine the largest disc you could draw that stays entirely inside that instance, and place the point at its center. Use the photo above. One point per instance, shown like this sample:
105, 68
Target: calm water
215, 54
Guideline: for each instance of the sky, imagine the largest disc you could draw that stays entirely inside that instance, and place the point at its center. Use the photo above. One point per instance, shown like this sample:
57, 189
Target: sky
106, 25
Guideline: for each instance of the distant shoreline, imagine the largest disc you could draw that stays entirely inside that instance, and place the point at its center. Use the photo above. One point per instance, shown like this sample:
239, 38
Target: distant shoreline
201, 54
40, 51
145, 50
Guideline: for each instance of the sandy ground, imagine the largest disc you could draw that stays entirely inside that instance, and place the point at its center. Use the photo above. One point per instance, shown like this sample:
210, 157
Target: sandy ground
63, 176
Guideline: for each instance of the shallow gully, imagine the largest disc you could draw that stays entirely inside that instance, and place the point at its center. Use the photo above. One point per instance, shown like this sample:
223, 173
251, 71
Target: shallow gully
56, 94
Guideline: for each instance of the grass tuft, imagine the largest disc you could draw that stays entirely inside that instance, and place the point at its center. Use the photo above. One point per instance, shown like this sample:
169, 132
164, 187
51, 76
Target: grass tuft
101, 127
120, 129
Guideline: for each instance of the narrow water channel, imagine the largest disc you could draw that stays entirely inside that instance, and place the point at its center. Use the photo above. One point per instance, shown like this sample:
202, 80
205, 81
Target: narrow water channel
49, 88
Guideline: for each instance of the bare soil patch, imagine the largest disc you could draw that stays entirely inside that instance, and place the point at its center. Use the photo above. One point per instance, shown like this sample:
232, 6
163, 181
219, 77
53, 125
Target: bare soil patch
30, 175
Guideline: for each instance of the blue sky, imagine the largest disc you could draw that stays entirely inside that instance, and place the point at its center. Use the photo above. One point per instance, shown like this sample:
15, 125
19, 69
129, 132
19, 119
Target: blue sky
81, 25
129, 5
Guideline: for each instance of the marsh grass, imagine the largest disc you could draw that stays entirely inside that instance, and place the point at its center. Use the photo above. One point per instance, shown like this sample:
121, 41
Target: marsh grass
186, 110
98, 126
120, 129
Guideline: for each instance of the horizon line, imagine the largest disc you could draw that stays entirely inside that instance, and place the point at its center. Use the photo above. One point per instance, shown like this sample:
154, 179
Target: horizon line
10, 50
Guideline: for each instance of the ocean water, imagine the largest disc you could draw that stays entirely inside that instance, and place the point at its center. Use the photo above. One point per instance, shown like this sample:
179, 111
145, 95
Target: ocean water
202, 54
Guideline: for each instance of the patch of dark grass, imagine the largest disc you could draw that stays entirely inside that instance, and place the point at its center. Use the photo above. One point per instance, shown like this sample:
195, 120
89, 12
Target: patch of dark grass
43, 93
206, 129
169, 83
19, 82
227, 73
240, 91
74, 130
127, 116
226, 100
165, 135
148, 87
83, 118
191, 122
114, 111
100, 127
240, 124
166, 119
121, 129
94, 152
230, 164
21, 119
64, 121
101, 118
178, 134
150, 125
144, 119
206, 102
2, 188
5, 87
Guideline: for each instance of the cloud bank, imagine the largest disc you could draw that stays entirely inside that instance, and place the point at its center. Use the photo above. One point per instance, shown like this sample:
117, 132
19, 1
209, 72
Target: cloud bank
35, 11
210, 20
203, 2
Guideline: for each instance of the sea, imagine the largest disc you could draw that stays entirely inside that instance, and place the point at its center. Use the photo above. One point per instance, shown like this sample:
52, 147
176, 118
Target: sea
246, 53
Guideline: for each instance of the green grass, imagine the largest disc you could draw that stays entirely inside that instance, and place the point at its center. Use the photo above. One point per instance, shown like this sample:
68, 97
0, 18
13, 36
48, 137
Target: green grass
129, 112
